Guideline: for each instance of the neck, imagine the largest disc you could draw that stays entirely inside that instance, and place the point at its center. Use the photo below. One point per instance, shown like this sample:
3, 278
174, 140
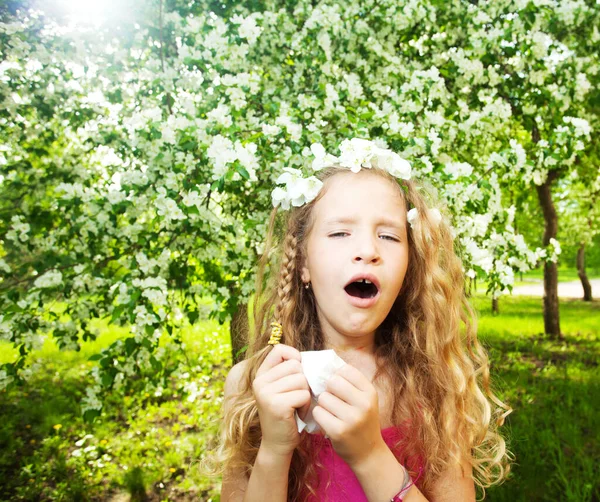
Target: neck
344, 345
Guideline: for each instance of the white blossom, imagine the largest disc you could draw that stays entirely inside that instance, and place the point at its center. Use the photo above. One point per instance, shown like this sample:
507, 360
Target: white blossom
50, 279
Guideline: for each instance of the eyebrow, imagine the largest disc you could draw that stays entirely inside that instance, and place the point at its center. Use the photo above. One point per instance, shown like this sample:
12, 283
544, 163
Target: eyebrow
382, 221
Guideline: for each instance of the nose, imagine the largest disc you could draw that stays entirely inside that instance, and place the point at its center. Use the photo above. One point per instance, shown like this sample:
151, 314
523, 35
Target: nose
367, 251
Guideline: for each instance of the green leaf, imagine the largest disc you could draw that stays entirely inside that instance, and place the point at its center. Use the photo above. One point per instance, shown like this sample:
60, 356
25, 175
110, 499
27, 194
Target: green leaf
107, 379
90, 415
193, 316
242, 170
117, 312
156, 364
130, 345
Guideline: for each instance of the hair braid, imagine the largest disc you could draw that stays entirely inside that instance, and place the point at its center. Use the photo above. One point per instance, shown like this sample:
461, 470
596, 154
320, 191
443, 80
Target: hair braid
286, 284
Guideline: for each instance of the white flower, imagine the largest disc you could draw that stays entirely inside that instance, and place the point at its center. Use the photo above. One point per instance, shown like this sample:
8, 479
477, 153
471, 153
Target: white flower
19, 226
249, 30
458, 169
412, 216
4, 266
581, 126
270, 130
50, 279
322, 158
143, 317
115, 196
91, 401
221, 115
221, 151
392, 163
298, 190
123, 297
356, 153
555, 250
155, 296
433, 214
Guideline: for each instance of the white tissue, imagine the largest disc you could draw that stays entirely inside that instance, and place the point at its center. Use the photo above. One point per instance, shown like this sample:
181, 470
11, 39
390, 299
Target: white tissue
318, 367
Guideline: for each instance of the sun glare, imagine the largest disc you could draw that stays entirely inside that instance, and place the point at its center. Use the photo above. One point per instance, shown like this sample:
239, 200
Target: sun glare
84, 12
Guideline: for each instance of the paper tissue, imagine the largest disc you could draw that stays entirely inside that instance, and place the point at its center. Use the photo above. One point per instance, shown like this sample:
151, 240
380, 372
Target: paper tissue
318, 367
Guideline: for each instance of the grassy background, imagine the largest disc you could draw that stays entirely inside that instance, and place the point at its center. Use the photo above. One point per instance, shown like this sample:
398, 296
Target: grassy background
147, 447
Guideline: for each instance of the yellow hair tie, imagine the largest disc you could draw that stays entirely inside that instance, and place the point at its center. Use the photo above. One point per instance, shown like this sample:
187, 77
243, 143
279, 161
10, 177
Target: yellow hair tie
276, 331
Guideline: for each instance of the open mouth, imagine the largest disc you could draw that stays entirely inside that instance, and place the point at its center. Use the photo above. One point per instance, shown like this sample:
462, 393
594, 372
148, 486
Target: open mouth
362, 289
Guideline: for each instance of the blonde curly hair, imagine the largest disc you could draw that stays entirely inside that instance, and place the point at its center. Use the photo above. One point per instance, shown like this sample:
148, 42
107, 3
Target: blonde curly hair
427, 347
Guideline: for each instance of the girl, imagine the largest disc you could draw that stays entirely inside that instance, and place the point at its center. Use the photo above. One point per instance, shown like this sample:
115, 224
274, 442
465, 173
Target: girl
364, 268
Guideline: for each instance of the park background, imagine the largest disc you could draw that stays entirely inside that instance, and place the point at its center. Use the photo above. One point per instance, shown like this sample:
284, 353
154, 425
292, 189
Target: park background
140, 142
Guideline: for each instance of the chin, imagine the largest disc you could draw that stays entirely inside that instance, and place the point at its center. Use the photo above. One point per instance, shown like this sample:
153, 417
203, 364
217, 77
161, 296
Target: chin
361, 326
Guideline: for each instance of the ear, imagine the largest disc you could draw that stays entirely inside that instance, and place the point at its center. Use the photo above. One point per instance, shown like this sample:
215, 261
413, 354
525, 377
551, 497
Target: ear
304, 272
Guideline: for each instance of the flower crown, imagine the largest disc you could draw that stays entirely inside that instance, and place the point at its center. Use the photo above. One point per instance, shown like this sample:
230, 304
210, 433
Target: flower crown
356, 154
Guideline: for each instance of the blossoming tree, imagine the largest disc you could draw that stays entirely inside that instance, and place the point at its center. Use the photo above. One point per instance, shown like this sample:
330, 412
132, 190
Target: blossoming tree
137, 165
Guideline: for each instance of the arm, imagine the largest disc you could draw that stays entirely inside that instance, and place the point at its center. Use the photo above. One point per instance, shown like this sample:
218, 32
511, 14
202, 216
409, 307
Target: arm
348, 412
381, 478
280, 388
269, 479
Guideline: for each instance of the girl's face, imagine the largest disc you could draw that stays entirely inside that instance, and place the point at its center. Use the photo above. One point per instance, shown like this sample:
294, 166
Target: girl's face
359, 231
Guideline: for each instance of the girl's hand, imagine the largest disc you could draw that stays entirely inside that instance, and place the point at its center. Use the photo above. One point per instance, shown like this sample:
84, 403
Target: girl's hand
280, 388
348, 412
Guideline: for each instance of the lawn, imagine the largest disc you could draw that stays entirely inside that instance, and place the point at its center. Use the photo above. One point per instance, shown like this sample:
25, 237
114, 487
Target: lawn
536, 276
151, 443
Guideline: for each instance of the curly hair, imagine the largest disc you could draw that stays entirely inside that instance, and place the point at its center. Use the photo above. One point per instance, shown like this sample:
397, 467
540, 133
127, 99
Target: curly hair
427, 347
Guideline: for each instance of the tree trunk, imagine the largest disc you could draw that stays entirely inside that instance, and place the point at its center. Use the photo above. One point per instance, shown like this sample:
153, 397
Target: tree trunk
238, 332
551, 316
495, 307
585, 282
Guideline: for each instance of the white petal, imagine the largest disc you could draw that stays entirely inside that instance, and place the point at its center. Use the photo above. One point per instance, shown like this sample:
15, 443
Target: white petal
412, 216
318, 150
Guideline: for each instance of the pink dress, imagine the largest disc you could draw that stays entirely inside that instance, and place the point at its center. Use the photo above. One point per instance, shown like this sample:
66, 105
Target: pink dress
344, 485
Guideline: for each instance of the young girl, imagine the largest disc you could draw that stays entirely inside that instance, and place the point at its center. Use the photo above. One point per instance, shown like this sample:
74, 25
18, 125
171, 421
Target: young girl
409, 416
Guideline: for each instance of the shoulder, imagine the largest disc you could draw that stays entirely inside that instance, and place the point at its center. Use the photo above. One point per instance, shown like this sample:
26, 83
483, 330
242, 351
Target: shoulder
235, 482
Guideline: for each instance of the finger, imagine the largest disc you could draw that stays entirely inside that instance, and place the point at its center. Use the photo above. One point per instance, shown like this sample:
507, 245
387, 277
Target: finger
336, 406
297, 381
343, 389
289, 367
280, 353
355, 377
294, 399
327, 421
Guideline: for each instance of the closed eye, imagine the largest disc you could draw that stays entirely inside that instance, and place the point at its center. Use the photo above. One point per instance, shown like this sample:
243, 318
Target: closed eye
386, 237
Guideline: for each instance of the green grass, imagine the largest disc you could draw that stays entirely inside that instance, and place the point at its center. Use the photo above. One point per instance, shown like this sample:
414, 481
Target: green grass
536, 276
150, 445
143, 444
553, 388
565, 274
